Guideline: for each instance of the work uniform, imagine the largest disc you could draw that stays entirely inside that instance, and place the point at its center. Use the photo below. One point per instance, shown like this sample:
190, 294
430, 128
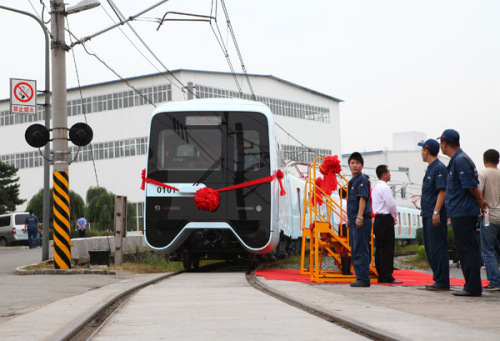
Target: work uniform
32, 223
359, 186
435, 237
463, 211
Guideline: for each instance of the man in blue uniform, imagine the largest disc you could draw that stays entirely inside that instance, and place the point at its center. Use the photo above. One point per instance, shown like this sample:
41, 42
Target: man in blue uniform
434, 216
463, 201
359, 220
32, 224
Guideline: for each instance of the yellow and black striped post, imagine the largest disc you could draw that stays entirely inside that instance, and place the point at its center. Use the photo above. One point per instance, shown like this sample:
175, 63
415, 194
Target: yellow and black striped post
62, 241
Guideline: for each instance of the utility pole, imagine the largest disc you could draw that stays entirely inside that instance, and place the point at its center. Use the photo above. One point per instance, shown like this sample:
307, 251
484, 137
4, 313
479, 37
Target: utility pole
62, 241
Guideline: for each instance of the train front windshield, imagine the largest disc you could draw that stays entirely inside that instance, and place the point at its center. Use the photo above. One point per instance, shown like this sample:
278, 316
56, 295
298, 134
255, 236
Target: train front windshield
217, 149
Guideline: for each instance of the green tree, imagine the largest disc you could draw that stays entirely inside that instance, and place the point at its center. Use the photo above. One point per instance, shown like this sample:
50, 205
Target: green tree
9, 188
100, 208
131, 215
76, 204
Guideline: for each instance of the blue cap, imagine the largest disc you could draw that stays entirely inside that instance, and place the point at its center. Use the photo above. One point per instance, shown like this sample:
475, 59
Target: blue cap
431, 145
450, 135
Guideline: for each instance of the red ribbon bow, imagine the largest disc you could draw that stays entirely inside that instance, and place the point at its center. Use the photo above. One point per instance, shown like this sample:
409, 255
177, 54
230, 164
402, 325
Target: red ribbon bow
208, 199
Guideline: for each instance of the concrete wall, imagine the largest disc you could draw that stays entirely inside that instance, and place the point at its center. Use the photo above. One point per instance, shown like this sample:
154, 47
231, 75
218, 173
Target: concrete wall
81, 246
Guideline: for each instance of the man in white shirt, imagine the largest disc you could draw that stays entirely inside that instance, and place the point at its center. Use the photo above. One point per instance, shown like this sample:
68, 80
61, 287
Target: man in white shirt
386, 216
489, 184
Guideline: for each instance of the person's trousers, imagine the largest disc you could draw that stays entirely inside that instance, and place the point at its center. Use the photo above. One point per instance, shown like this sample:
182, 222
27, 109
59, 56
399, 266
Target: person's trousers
360, 248
464, 229
32, 237
436, 250
383, 228
489, 239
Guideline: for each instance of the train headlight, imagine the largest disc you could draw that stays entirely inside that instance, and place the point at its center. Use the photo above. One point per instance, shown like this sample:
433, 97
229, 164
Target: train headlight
157, 208
258, 208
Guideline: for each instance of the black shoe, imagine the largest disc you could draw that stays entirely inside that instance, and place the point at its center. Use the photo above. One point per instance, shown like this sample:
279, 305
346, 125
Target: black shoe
393, 281
435, 287
466, 293
360, 284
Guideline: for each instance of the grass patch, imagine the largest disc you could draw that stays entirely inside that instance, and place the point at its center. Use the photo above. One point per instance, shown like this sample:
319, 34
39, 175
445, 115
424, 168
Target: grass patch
143, 263
285, 263
148, 262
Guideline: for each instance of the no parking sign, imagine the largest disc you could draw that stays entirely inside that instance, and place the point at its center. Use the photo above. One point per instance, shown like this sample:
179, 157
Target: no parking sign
22, 96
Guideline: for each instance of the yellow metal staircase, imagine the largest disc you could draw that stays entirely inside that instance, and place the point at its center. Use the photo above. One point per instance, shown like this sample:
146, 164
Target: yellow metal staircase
323, 237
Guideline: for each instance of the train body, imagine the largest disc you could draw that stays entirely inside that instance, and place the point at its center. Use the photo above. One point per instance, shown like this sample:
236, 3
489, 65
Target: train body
220, 143
213, 143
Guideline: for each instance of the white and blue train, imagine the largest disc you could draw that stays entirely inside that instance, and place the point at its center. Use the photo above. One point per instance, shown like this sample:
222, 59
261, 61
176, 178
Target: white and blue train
219, 143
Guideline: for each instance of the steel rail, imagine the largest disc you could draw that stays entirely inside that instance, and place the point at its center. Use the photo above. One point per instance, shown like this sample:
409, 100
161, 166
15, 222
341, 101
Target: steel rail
354, 326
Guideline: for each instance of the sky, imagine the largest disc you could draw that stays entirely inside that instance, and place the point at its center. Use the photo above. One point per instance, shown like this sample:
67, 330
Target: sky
399, 65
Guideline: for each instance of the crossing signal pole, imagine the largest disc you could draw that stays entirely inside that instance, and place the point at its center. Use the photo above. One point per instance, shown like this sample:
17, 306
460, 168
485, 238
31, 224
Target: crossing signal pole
62, 240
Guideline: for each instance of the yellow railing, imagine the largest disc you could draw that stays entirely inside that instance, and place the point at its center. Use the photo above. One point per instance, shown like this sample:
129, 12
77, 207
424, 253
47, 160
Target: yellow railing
321, 237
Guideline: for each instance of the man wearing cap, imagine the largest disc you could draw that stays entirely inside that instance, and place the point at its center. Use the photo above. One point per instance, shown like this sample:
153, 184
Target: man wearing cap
434, 216
463, 201
359, 220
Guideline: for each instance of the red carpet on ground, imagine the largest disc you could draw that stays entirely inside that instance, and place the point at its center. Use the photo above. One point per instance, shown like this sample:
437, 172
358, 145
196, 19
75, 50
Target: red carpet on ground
408, 277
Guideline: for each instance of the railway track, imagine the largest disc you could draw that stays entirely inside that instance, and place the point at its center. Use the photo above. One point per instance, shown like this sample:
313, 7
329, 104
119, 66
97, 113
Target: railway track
90, 328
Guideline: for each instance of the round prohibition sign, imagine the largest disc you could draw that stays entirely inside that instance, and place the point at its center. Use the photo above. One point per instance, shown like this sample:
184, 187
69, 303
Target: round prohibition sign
23, 92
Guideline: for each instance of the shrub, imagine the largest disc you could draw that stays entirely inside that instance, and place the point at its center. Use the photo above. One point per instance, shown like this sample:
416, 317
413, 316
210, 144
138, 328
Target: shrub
421, 253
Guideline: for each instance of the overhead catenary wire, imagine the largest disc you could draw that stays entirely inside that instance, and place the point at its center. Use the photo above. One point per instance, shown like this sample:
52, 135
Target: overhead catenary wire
235, 42
122, 17
220, 41
84, 112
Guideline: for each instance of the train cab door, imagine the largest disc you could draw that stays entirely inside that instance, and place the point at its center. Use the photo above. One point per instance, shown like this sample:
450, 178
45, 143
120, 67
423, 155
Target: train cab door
248, 209
188, 150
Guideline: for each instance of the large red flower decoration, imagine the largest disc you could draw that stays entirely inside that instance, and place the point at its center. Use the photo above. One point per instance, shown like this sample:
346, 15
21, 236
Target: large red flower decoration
207, 199
330, 168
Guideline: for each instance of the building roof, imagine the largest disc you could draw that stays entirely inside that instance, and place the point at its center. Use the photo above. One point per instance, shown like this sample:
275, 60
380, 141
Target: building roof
213, 72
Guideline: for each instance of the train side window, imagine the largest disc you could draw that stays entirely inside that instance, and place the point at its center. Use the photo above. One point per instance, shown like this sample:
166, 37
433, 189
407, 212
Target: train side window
414, 220
405, 220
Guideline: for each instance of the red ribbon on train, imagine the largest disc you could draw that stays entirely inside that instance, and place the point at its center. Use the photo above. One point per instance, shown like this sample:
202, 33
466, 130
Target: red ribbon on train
208, 199
154, 182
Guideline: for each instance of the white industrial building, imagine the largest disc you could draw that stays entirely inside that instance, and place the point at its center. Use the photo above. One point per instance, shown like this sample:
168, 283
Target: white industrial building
308, 126
405, 163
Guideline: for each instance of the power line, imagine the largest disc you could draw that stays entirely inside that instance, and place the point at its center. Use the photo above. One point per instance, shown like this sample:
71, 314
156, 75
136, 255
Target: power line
83, 110
230, 26
122, 17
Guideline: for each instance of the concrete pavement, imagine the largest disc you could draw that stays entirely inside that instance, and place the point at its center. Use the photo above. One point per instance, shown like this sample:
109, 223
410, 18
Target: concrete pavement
410, 313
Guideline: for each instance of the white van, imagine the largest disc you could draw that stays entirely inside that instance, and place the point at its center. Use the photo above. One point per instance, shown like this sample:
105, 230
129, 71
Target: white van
12, 228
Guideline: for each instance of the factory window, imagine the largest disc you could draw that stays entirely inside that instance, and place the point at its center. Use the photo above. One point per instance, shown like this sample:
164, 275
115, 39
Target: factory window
277, 106
302, 154
99, 151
